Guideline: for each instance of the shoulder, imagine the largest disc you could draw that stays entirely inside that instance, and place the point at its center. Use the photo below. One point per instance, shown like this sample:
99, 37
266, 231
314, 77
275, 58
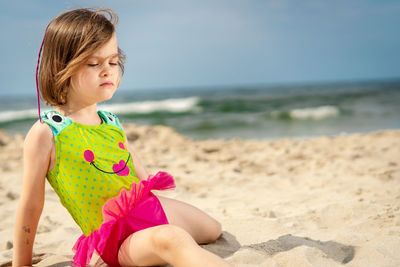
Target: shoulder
39, 137
56, 122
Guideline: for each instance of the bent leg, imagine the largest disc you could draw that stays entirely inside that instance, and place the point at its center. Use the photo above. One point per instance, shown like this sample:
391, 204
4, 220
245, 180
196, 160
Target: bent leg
165, 244
202, 227
137, 250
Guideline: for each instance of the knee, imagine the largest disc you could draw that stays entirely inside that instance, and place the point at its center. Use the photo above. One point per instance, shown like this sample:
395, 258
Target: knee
214, 231
169, 238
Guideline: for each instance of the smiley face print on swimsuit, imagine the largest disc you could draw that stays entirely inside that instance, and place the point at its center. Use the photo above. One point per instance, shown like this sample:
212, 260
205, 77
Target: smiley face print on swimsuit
120, 168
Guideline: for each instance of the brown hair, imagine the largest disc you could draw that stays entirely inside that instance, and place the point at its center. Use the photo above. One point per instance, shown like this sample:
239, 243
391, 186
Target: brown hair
70, 39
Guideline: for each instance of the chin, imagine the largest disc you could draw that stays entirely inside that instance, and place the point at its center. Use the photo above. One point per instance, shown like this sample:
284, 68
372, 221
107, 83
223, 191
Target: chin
107, 95
105, 98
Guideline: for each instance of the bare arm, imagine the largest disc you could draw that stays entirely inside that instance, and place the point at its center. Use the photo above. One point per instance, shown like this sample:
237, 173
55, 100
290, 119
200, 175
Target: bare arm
141, 172
37, 150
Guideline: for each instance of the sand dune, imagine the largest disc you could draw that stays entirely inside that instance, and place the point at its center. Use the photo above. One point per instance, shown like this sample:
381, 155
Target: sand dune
326, 201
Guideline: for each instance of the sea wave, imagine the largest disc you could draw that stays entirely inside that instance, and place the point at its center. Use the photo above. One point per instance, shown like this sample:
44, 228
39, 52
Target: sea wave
11, 115
314, 113
173, 105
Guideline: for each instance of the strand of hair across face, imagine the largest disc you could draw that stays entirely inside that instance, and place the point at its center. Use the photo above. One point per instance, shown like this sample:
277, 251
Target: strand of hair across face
37, 84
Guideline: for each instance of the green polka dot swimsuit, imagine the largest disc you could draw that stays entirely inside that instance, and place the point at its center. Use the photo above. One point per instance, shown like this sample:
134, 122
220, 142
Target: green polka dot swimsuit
92, 166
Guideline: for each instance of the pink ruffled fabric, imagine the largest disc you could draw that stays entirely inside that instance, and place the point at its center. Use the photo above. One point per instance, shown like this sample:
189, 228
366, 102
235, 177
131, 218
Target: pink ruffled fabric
123, 215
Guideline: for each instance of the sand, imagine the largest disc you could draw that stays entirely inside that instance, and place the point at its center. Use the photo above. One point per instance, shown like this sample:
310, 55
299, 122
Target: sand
325, 201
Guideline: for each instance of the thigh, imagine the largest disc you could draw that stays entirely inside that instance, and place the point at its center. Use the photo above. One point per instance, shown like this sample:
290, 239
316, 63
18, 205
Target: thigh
202, 227
137, 250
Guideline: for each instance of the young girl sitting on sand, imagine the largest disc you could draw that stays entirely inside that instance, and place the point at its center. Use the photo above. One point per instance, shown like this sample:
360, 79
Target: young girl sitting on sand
89, 163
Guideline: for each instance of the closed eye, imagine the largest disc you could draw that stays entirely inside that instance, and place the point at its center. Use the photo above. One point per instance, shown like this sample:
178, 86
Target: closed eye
93, 65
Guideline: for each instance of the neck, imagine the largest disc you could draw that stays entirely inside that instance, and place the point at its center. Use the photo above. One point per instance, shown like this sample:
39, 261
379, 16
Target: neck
83, 114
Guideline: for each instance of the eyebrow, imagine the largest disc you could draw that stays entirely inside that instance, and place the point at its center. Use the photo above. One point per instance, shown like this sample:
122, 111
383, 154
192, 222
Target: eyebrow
104, 58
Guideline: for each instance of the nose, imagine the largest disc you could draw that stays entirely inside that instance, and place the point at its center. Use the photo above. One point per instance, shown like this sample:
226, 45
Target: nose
106, 71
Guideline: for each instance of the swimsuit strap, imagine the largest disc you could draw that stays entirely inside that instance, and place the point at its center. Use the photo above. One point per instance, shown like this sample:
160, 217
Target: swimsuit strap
56, 121
110, 118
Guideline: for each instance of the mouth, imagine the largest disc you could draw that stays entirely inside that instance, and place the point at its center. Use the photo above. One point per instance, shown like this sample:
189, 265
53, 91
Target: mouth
107, 84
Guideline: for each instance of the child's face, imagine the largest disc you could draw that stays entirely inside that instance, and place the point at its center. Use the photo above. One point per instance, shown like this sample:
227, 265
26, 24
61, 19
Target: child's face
98, 78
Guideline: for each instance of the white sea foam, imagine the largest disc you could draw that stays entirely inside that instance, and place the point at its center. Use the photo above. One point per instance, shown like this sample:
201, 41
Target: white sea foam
175, 105
317, 113
9, 115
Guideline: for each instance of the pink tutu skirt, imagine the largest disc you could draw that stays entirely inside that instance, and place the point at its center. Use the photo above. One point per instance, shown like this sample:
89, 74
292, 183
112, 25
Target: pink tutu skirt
123, 215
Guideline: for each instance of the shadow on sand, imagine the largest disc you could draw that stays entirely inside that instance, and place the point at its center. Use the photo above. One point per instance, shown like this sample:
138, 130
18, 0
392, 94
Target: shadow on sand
336, 251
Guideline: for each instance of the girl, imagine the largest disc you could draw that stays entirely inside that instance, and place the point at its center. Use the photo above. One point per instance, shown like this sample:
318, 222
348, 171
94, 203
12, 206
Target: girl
87, 160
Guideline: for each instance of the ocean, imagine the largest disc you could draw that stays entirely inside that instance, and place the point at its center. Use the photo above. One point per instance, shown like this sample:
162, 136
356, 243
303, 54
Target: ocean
249, 112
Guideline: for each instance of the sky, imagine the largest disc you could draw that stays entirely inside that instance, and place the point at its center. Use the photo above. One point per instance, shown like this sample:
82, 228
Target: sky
187, 43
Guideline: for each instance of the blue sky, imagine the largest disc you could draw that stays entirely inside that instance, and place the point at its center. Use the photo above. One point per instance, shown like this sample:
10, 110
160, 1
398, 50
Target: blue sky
185, 43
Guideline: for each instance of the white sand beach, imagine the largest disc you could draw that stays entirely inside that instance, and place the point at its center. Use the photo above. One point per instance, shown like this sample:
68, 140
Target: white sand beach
325, 201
